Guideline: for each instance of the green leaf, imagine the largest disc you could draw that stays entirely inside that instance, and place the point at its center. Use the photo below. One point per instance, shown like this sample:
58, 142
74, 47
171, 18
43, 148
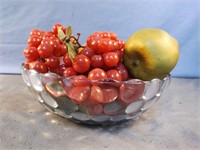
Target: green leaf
61, 34
69, 31
71, 51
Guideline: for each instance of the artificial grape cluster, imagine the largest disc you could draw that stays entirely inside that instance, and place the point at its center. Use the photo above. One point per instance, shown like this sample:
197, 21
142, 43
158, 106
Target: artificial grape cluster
44, 50
61, 53
105, 52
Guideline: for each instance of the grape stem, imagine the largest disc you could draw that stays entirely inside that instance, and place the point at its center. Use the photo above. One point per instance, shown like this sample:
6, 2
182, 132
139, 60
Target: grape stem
68, 38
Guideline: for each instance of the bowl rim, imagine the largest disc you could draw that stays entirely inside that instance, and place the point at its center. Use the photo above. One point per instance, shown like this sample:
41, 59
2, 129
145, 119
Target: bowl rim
107, 80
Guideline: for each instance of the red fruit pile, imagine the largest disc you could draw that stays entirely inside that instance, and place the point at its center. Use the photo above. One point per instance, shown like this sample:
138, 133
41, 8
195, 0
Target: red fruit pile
100, 58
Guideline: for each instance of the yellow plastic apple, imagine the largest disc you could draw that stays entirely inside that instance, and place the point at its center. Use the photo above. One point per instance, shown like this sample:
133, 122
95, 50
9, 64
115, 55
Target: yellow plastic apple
150, 53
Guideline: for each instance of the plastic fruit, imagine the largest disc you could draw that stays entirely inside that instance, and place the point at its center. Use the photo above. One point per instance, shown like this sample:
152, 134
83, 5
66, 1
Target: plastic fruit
150, 53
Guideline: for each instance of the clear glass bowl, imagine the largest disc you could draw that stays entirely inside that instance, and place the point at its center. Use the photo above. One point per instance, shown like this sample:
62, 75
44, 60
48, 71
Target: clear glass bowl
103, 102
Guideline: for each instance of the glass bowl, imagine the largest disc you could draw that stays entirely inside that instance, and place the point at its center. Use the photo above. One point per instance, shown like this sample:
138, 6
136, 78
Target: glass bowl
102, 102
